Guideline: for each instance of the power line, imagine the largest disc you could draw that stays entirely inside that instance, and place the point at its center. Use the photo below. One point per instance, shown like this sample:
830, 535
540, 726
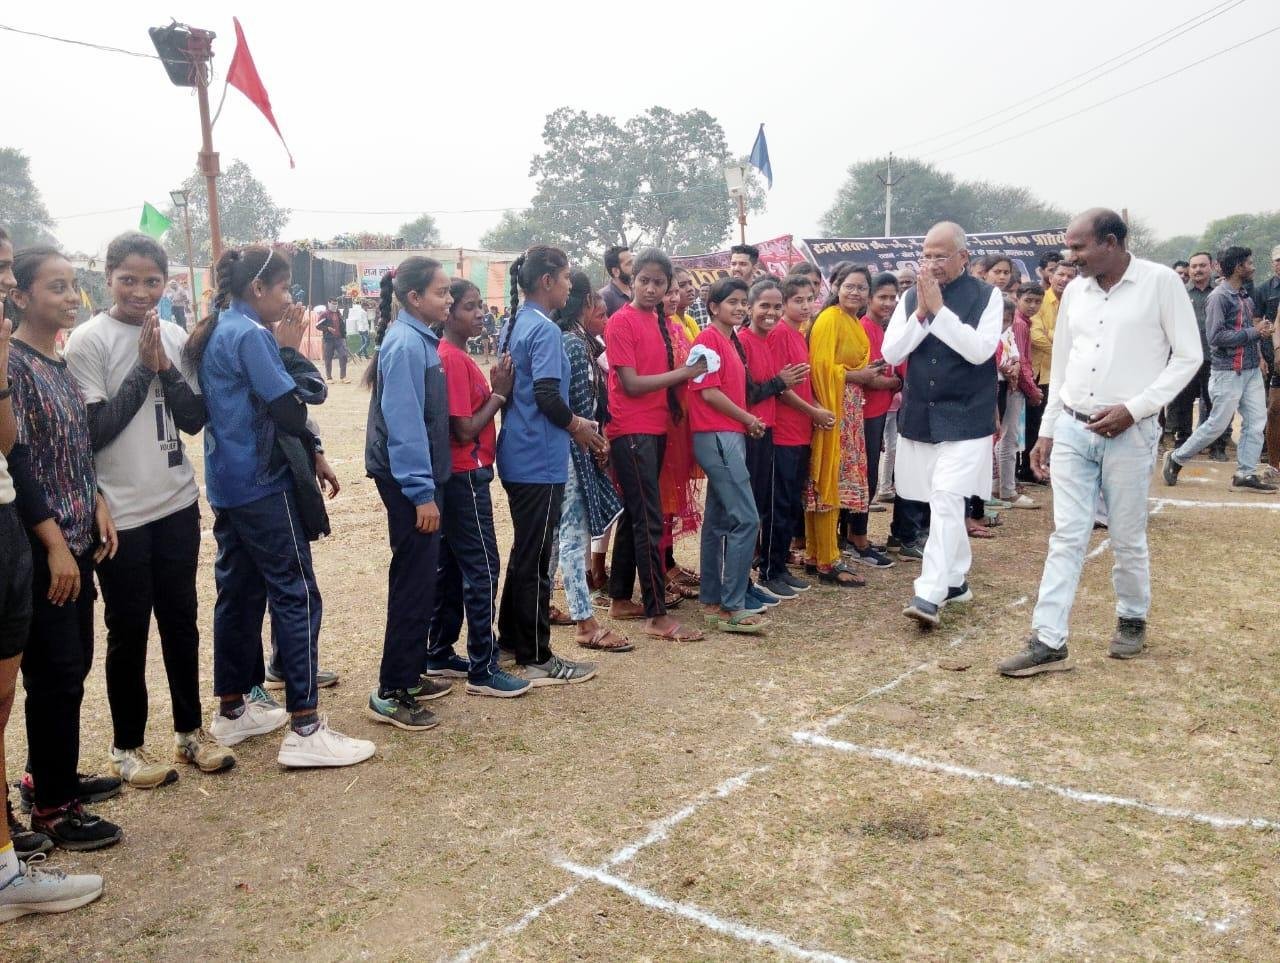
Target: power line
1114, 97
419, 211
79, 43
1163, 38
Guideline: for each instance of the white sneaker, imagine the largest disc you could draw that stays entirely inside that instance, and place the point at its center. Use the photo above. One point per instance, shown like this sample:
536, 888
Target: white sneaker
324, 747
139, 770
45, 891
256, 720
1022, 501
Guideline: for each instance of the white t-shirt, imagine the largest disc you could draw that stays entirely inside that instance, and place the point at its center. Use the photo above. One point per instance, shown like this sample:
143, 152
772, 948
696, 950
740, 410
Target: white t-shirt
7, 493
358, 319
144, 473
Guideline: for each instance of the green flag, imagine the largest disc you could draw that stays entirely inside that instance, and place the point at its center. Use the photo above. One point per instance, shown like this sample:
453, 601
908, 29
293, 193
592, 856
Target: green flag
153, 222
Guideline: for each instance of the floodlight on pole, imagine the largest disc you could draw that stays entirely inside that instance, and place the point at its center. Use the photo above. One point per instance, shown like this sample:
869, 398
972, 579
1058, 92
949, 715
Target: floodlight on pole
186, 53
735, 177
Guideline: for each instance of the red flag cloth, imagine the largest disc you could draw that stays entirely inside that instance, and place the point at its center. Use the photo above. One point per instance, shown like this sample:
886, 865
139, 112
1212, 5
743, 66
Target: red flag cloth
243, 75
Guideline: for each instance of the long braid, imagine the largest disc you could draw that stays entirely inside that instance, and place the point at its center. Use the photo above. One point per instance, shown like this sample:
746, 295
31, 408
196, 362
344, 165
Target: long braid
203, 331
385, 289
516, 265
673, 402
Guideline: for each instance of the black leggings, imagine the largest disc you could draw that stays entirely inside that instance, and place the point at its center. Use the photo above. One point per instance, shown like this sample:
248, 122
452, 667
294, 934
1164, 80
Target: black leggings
637, 463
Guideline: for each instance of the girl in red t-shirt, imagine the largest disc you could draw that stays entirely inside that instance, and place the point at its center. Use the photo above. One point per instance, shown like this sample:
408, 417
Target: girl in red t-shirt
642, 403
677, 482
469, 562
721, 423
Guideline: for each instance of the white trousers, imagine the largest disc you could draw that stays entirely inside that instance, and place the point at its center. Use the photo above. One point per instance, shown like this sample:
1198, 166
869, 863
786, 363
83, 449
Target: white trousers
944, 475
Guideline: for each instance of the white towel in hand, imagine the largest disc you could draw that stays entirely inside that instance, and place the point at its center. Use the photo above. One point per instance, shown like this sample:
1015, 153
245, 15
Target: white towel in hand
702, 351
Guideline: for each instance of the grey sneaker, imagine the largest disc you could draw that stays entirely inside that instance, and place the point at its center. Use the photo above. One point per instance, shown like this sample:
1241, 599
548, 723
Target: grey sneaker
428, 689
324, 679
558, 671
261, 697
1130, 637
400, 709
1034, 659
924, 612
36, 890
911, 552
1169, 470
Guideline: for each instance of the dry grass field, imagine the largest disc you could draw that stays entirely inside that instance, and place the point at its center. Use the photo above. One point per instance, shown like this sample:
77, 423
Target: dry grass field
846, 788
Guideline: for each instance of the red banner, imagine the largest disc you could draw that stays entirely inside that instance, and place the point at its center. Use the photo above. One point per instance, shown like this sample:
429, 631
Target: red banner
776, 256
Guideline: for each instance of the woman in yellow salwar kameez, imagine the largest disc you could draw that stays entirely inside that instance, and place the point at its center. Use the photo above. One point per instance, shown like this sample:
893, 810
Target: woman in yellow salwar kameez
839, 355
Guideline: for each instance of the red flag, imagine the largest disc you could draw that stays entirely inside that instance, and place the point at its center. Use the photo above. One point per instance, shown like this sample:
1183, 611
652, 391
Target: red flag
243, 75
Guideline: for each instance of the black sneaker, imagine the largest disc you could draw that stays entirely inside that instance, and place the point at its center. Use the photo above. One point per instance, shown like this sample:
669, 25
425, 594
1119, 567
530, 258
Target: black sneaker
1130, 637
73, 827
89, 789
25, 842
794, 582
1253, 482
869, 556
1034, 659
924, 612
400, 709
1169, 470
428, 689
958, 594
780, 588
1218, 454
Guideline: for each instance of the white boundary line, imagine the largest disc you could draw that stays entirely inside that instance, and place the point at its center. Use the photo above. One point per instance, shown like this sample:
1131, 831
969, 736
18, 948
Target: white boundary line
1012, 782
1101, 547
739, 931
1190, 503
658, 831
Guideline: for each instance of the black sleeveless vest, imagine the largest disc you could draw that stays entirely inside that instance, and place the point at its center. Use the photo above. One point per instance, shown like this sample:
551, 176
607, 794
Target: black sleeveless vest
944, 397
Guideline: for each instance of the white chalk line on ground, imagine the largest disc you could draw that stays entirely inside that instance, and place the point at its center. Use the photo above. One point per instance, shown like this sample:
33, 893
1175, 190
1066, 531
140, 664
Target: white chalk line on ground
1191, 503
1101, 547
658, 831
908, 761
739, 931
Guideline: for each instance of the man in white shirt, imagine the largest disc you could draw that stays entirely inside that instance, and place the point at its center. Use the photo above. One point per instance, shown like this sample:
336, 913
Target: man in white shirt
948, 325
358, 323
1125, 344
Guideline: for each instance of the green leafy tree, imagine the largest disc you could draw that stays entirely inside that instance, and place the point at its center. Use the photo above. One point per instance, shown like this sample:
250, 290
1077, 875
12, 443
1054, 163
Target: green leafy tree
924, 195
22, 212
1260, 231
1166, 251
246, 210
656, 179
421, 232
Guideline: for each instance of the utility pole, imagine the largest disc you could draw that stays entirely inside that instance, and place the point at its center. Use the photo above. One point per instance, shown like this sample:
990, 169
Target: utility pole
889, 184
742, 219
186, 53
182, 199
201, 54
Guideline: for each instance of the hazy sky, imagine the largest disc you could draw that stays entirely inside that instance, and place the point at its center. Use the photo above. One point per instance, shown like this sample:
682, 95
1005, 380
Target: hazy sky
410, 107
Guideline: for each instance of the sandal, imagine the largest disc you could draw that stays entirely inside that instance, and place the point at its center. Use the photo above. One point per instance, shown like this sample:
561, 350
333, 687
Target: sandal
677, 633
558, 617
672, 597
684, 589
979, 531
607, 640
686, 577
739, 623
833, 576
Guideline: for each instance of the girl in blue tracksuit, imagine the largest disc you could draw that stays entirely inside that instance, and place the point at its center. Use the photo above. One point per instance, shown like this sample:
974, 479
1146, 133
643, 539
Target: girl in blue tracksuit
407, 455
264, 558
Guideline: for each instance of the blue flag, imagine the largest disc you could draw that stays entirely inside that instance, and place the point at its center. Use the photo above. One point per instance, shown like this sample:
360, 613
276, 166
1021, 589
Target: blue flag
759, 158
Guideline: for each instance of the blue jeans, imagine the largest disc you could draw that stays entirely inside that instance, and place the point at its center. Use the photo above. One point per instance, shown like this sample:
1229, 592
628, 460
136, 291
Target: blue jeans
730, 522
572, 548
1085, 464
264, 560
468, 569
1230, 391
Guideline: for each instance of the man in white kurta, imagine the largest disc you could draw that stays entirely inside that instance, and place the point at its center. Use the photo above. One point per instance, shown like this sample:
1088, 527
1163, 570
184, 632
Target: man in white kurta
946, 330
